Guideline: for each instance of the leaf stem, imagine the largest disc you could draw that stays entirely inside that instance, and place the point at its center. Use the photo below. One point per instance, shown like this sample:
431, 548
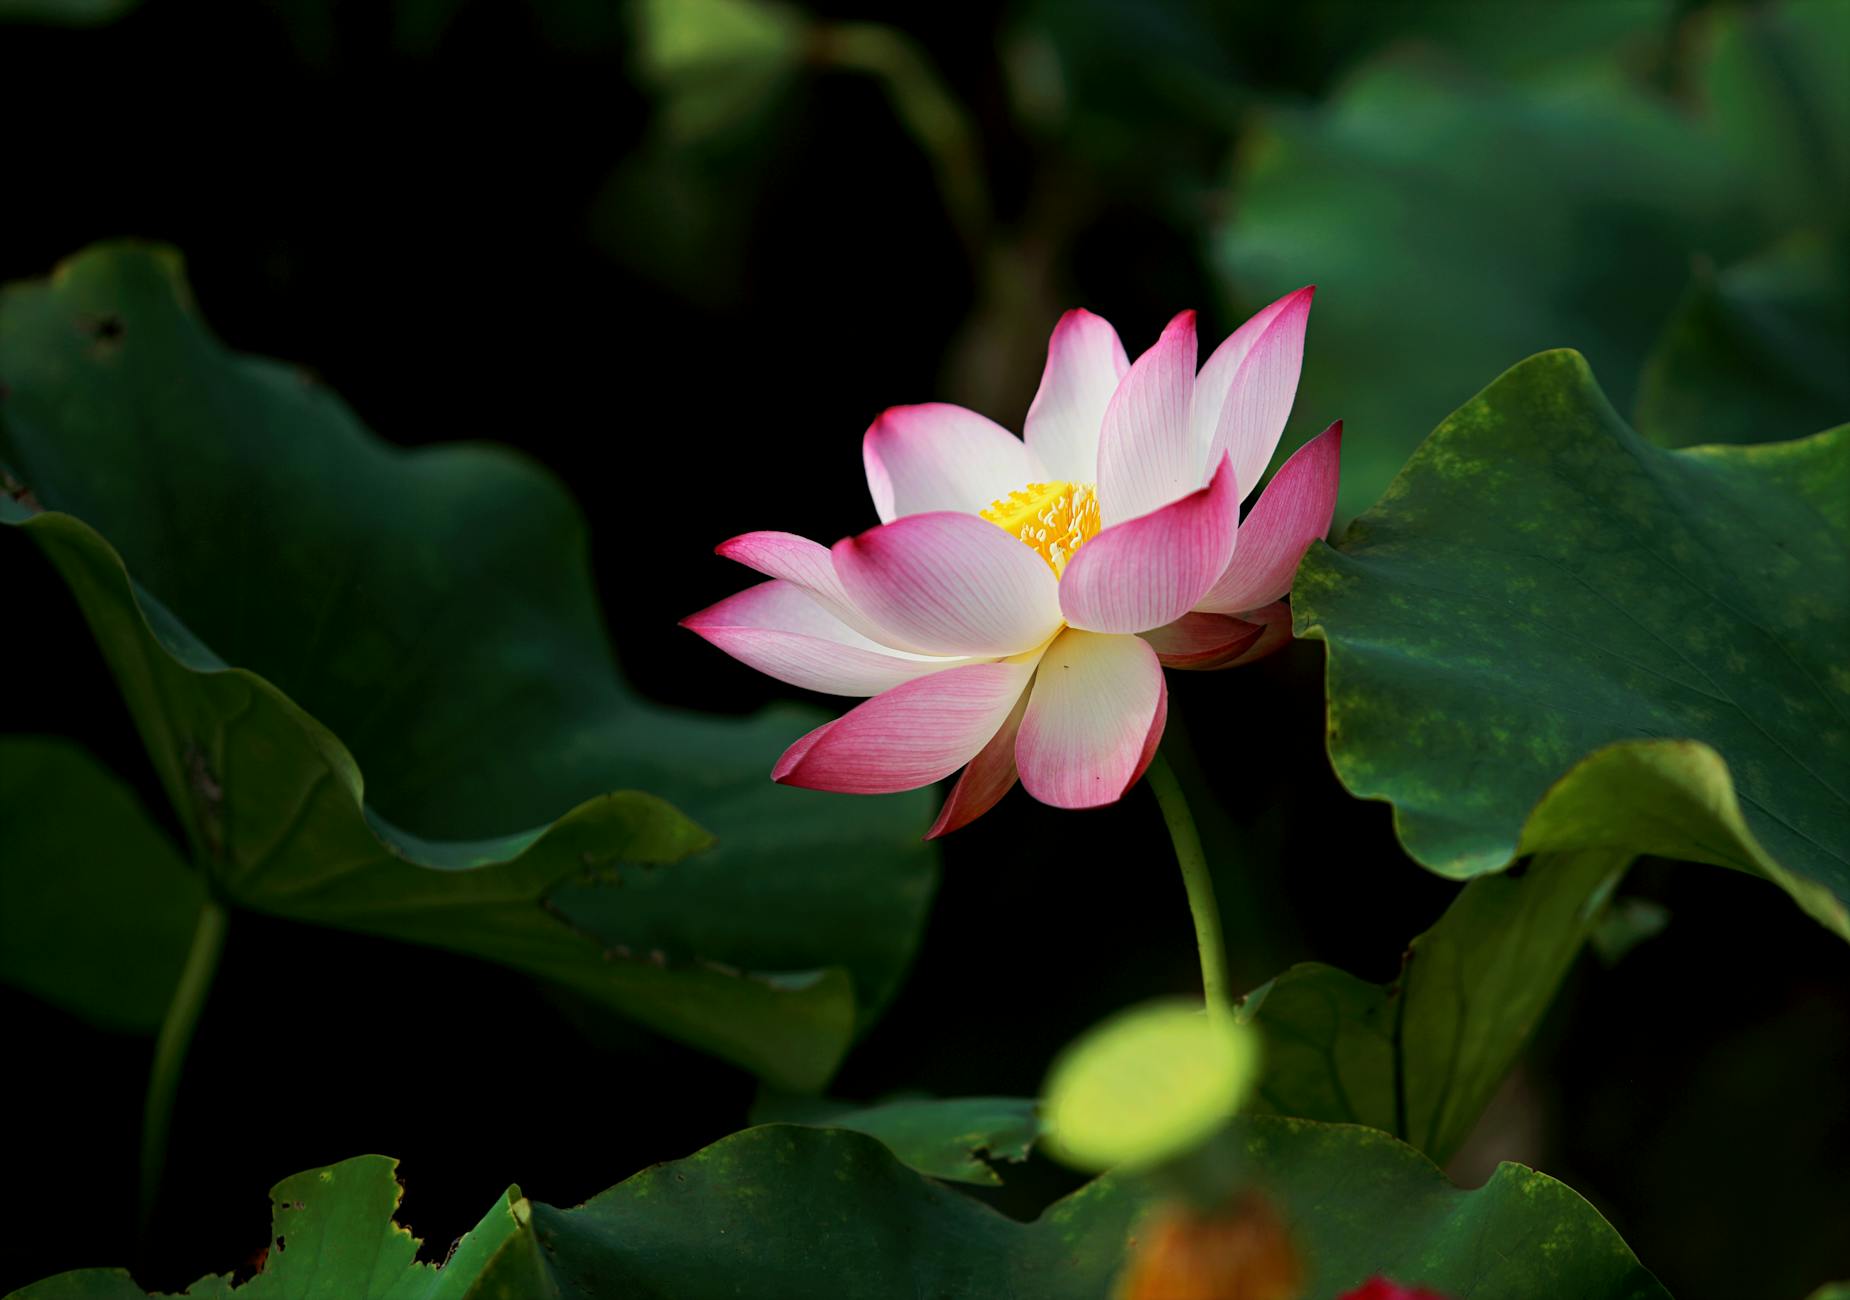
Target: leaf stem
189, 998
1196, 880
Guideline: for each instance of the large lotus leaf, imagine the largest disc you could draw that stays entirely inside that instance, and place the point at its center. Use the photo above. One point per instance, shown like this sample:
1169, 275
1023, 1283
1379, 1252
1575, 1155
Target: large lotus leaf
1551, 635
1756, 351
793, 1212
788, 1211
332, 1238
97, 909
1421, 1057
308, 603
1455, 223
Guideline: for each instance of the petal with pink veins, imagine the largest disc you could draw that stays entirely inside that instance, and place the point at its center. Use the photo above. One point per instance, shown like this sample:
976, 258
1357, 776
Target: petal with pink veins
783, 632
1198, 640
950, 584
986, 778
1244, 393
1274, 635
1146, 456
805, 564
1085, 361
1146, 572
941, 457
1092, 721
1294, 510
909, 736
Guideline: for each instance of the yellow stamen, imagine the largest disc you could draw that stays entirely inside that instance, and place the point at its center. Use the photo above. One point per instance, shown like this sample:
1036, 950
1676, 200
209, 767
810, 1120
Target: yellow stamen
1054, 519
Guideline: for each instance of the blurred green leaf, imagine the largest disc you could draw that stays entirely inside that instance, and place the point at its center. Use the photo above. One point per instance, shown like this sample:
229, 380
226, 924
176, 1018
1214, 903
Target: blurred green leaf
1552, 636
96, 908
1147, 1085
1758, 353
1455, 225
69, 13
1626, 923
785, 1212
714, 62
425, 617
1776, 96
1420, 1058
954, 1138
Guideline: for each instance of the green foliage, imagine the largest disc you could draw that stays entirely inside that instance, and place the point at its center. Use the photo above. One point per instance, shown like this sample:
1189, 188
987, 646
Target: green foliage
1550, 635
307, 603
1421, 1057
958, 1139
332, 1238
1149, 1084
1754, 352
96, 907
788, 1211
1458, 221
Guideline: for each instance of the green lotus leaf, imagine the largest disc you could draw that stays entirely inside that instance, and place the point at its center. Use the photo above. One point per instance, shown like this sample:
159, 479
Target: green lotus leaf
792, 1212
1456, 222
332, 1237
1420, 1058
1755, 352
1552, 636
785, 1212
959, 1139
307, 604
97, 908
1772, 87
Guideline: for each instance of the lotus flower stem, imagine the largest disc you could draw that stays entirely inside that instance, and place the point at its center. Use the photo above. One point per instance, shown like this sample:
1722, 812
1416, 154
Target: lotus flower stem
1197, 880
189, 998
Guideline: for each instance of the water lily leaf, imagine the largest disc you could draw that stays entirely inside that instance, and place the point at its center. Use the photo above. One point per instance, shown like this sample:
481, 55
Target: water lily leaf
97, 909
333, 1236
1456, 223
959, 1139
308, 604
1551, 635
1755, 353
1420, 1058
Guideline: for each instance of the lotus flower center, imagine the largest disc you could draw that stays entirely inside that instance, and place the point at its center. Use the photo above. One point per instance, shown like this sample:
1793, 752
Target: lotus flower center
1054, 519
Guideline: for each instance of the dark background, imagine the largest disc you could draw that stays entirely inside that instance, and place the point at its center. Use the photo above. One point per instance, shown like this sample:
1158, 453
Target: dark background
463, 216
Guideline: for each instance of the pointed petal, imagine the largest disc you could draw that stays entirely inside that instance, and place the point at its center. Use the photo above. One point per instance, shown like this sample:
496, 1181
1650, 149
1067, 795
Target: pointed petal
1274, 623
1199, 640
941, 457
1085, 361
948, 583
1088, 728
784, 632
804, 564
1294, 510
1244, 393
1146, 456
1150, 571
987, 777
909, 736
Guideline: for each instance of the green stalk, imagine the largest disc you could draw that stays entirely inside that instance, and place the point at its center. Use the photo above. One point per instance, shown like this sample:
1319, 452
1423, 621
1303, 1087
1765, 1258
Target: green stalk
189, 998
1197, 881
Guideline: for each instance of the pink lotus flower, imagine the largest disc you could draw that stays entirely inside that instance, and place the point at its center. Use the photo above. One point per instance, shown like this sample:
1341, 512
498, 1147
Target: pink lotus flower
1013, 612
